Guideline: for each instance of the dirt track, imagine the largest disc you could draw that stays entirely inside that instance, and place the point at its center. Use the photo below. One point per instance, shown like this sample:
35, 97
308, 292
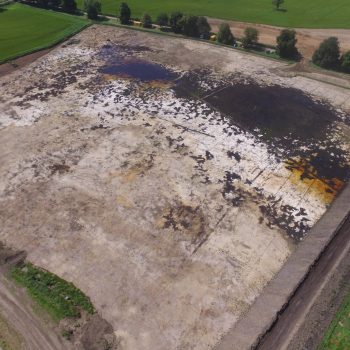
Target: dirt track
284, 331
14, 307
308, 39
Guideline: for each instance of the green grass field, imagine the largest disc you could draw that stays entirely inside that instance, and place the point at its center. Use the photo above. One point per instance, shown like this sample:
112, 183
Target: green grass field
300, 13
338, 335
58, 297
25, 29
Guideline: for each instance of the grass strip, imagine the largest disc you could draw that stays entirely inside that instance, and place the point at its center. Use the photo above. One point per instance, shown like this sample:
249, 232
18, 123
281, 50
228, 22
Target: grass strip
58, 297
337, 336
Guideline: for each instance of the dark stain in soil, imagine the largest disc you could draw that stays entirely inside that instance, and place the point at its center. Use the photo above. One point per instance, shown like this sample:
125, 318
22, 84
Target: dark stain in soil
138, 69
274, 111
59, 168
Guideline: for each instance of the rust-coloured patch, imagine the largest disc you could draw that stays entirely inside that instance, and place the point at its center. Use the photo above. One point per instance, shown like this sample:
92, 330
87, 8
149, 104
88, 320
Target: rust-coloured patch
304, 172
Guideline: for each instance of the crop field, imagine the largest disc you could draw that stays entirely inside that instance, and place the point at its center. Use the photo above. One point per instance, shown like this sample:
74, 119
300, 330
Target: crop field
25, 29
295, 13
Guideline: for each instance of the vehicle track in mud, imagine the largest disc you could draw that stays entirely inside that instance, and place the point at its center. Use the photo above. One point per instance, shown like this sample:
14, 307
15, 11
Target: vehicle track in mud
15, 309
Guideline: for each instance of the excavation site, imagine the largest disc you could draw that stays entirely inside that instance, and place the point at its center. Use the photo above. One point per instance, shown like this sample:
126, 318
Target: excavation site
169, 179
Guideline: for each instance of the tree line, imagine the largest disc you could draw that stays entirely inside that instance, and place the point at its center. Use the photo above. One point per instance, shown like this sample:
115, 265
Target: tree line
92, 7
69, 6
189, 25
327, 56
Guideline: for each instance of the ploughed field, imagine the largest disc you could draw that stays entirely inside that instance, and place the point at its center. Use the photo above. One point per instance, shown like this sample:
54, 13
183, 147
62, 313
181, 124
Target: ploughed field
169, 180
296, 13
24, 29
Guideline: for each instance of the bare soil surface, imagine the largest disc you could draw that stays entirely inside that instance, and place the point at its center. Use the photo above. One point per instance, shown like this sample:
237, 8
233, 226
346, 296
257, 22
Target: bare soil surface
21, 62
24, 325
169, 180
9, 338
16, 310
308, 39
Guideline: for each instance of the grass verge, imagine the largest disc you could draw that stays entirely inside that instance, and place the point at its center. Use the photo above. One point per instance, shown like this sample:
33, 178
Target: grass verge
25, 29
337, 336
58, 297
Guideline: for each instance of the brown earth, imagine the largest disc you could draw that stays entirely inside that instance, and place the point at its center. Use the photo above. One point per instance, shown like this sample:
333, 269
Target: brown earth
308, 39
24, 326
20, 62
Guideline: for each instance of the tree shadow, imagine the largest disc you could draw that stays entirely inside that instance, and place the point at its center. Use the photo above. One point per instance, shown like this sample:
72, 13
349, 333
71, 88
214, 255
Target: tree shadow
282, 10
102, 19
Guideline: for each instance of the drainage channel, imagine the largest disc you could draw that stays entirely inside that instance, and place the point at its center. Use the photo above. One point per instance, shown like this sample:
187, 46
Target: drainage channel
291, 319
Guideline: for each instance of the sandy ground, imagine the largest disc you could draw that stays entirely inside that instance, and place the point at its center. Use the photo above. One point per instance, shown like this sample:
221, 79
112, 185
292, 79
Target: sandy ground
308, 39
20, 62
15, 309
154, 196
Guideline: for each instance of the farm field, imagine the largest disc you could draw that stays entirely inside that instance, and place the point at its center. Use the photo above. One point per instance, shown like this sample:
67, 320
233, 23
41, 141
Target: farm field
25, 29
311, 14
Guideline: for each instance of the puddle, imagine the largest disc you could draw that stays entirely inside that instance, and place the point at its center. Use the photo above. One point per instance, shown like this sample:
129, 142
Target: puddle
132, 67
138, 69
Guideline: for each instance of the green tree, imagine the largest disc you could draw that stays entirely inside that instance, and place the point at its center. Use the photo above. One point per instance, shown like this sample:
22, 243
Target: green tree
55, 3
328, 54
162, 19
124, 13
286, 44
345, 62
189, 26
92, 8
69, 5
203, 27
251, 36
277, 3
175, 21
146, 21
43, 3
225, 35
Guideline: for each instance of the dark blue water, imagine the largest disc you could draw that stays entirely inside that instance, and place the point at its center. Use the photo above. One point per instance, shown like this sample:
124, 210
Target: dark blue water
138, 69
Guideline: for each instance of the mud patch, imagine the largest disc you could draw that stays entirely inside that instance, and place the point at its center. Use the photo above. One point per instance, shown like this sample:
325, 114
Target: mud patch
187, 221
59, 168
323, 176
138, 69
123, 66
274, 111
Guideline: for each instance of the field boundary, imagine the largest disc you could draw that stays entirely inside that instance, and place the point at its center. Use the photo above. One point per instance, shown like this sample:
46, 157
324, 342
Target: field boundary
262, 315
46, 46
180, 36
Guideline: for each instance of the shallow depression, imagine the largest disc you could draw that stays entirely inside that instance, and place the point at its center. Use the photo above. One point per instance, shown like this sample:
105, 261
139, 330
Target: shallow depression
136, 68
